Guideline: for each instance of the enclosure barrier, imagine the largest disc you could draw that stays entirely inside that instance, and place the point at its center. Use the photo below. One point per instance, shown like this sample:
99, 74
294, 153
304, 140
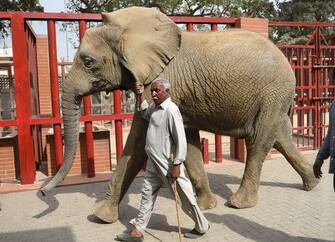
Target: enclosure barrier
314, 66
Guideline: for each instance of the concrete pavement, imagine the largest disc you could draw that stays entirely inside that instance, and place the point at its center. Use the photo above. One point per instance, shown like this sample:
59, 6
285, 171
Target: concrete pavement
284, 212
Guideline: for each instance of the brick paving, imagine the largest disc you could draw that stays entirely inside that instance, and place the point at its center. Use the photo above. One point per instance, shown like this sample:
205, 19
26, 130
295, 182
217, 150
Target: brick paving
284, 212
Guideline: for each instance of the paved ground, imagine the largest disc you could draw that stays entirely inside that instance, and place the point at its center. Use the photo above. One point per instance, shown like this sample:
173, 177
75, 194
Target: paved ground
284, 212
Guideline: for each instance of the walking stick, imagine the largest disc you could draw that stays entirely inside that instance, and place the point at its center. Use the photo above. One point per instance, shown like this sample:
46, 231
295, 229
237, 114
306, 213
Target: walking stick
177, 208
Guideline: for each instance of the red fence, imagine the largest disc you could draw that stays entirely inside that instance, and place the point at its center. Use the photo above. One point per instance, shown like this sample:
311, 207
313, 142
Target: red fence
314, 66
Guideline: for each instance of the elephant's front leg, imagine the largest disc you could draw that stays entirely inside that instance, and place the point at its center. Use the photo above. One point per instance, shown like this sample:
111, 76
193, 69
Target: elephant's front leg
196, 171
131, 162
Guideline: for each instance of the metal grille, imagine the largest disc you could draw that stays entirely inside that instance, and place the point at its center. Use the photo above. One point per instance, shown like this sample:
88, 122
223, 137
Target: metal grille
313, 65
4, 83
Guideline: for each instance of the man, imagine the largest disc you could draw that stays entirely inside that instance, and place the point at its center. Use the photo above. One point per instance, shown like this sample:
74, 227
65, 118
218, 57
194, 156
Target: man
165, 139
327, 148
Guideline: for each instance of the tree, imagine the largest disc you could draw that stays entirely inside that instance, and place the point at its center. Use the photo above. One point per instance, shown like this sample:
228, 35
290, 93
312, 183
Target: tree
223, 8
17, 5
21, 5
214, 8
302, 11
275, 10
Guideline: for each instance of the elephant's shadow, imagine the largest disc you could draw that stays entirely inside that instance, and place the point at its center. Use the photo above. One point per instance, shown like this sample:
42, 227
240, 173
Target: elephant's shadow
218, 183
91, 190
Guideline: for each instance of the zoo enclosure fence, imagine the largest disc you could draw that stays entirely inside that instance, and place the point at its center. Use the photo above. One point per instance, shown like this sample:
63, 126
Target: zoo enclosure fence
312, 60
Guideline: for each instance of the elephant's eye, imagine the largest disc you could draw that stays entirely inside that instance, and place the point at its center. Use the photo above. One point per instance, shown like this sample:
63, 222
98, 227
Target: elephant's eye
88, 61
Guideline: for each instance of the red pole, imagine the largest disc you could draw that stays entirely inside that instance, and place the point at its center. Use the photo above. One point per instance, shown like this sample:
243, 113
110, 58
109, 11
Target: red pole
55, 93
88, 124
318, 89
218, 148
214, 27
118, 124
204, 145
189, 27
23, 100
218, 138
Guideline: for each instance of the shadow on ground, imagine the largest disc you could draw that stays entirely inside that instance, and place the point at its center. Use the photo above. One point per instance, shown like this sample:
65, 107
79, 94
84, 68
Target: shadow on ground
57, 234
92, 190
255, 231
218, 183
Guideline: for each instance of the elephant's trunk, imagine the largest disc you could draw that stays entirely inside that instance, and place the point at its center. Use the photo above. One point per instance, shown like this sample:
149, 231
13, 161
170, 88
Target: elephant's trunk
71, 110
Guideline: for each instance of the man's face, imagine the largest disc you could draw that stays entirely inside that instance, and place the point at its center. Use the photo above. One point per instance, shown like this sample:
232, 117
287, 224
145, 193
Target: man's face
158, 93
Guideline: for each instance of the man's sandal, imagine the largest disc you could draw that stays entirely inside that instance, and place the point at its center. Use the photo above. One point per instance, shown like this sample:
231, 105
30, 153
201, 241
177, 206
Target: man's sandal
128, 237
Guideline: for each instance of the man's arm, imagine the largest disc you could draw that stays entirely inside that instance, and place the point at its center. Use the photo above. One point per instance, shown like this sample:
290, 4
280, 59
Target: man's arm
323, 154
143, 105
177, 132
324, 151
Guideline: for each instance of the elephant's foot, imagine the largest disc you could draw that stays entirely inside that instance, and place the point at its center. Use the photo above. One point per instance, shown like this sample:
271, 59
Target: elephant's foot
206, 201
310, 183
105, 211
243, 199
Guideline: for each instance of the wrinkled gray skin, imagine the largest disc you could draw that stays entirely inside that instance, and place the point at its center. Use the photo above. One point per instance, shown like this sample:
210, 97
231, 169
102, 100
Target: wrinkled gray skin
234, 83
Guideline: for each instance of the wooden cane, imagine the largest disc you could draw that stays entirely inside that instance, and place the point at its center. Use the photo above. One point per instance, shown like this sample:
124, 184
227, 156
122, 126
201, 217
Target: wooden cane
177, 208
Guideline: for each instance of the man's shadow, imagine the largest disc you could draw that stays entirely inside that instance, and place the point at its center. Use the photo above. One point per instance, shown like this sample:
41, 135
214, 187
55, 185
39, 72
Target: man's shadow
255, 231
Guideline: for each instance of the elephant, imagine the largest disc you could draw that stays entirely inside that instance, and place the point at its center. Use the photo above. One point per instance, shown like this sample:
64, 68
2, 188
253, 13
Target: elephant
233, 82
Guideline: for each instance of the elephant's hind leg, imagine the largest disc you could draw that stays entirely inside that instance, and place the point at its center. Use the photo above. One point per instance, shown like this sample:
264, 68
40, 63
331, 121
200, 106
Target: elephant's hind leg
196, 171
285, 145
247, 194
258, 146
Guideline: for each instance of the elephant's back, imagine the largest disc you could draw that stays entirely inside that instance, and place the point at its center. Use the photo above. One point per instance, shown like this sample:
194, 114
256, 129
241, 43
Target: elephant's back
234, 48
224, 77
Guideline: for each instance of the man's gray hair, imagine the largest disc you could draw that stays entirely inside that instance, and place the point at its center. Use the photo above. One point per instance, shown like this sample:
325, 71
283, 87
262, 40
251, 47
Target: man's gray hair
165, 82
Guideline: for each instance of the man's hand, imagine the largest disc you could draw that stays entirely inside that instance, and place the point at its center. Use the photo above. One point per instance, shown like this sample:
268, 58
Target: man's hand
317, 171
175, 172
139, 88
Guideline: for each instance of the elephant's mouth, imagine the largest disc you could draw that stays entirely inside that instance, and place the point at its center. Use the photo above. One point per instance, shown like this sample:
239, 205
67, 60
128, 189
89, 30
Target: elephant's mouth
103, 85
126, 85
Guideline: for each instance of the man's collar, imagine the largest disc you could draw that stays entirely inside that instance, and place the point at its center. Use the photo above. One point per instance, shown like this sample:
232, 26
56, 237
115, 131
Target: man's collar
165, 103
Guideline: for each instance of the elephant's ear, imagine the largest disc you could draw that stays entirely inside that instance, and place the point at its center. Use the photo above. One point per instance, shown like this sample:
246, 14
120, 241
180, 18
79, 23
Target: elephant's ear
144, 39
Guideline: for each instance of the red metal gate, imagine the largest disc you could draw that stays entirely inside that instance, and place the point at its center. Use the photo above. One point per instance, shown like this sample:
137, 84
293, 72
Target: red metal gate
313, 65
